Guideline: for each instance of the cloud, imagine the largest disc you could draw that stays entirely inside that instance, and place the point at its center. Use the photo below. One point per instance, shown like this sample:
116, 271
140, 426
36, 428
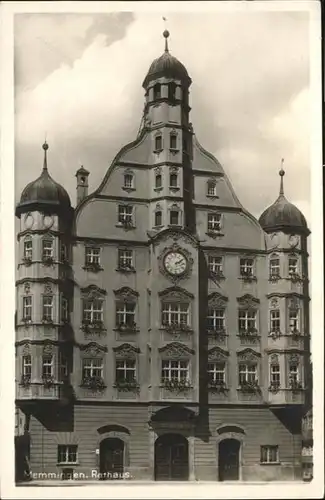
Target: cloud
249, 97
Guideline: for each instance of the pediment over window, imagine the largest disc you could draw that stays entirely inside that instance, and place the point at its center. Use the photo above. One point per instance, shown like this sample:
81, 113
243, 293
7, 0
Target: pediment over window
105, 429
274, 303
294, 358
216, 299
230, 428
92, 292
26, 349
93, 349
274, 359
248, 355
126, 293
217, 354
175, 293
176, 350
126, 351
248, 301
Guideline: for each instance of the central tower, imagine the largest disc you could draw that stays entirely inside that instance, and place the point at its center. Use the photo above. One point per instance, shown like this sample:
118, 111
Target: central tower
166, 118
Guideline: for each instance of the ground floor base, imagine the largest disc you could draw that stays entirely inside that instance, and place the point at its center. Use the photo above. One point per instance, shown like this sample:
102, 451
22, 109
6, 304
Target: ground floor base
123, 442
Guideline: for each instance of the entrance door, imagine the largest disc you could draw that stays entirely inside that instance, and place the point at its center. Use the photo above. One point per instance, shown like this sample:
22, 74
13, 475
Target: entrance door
171, 458
229, 460
111, 454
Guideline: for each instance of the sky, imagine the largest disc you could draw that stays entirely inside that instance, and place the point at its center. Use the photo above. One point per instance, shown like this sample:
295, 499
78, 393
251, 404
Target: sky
78, 82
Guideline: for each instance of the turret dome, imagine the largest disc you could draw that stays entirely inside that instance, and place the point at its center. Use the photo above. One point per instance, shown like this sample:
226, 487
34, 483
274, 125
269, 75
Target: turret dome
283, 215
168, 66
44, 193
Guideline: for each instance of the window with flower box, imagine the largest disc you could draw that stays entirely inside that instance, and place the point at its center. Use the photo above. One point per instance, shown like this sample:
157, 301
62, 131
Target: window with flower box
214, 222
27, 308
217, 373
125, 215
125, 372
92, 367
93, 311
128, 181
125, 259
215, 265
212, 188
293, 265
294, 320
27, 369
269, 454
28, 249
275, 375
247, 373
47, 367
247, 321
274, 267
174, 370
246, 267
275, 322
125, 315
67, 453
293, 373
47, 250
175, 314
47, 308
92, 258
216, 319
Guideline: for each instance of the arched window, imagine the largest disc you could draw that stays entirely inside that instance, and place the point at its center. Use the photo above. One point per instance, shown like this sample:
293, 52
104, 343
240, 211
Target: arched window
157, 91
158, 143
212, 188
171, 90
128, 180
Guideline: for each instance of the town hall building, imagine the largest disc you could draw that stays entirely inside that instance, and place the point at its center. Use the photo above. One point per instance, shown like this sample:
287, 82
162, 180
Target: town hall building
162, 332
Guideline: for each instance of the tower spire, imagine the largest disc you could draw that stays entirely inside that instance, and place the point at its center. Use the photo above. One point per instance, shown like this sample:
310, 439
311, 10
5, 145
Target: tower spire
166, 35
281, 174
45, 147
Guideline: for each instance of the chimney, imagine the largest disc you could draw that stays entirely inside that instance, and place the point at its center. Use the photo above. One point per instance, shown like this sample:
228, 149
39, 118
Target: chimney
82, 184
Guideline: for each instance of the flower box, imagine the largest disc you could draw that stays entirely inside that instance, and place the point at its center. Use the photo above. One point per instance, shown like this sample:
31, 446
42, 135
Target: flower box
94, 383
249, 387
47, 321
274, 387
176, 385
125, 327
127, 385
247, 276
295, 385
276, 334
295, 278
217, 386
176, 327
274, 277
48, 380
27, 261
251, 332
219, 332
93, 267
92, 325
216, 275
125, 268
25, 380
48, 261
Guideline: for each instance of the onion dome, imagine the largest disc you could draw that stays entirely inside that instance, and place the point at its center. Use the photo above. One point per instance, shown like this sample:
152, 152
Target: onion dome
44, 193
283, 215
167, 66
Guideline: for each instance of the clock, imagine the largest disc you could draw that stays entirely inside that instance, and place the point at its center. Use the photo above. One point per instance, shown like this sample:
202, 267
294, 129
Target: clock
175, 263
47, 220
29, 221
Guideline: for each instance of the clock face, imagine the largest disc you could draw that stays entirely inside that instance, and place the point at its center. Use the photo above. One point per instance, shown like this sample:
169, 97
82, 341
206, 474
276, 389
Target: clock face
47, 220
175, 263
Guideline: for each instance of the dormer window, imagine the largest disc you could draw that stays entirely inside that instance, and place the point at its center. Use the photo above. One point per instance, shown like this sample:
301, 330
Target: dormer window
158, 143
173, 141
171, 91
157, 91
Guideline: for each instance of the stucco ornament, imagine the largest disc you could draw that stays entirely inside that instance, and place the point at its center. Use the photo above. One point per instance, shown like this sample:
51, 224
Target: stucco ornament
175, 262
126, 351
248, 355
93, 349
217, 354
176, 350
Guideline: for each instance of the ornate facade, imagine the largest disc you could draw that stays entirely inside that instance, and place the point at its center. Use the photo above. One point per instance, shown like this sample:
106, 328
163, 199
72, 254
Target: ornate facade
162, 331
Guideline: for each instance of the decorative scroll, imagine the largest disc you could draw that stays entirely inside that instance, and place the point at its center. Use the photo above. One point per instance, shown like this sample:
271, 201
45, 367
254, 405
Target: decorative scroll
92, 292
248, 301
126, 351
176, 350
217, 354
27, 288
274, 303
217, 300
248, 355
175, 292
126, 293
93, 349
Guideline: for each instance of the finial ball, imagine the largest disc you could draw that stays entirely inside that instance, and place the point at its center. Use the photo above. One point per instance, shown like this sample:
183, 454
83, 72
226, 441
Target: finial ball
45, 146
166, 33
281, 173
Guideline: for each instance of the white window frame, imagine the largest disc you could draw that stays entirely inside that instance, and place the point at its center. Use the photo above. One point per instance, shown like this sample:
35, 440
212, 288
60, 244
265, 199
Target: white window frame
246, 266
294, 322
267, 454
175, 313
128, 180
216, 316
293, 269
248, 317
294, 374
27, 307
247, 372
92, 255
274, 268
275, 320
47, 365
92, 367
215, 264
28, 248
127, 368
27, 366
211, 188
275, 374
125, 313
126, 214
47, 307
47, 248
214, 222
217, 372
93, 310
175, 370
125, 258
67, 451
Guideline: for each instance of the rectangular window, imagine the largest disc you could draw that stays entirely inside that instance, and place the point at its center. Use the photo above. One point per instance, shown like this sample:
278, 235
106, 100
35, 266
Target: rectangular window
215, 264
27, 366
216, 319
275, 374
173, 141
92, 367
27, 308
125, 214
47, 366
28, 249
214, 222
128, 181
247, 267
67, 453
158, 143
125, 314
63, 366
64, 309
125, 258
275, 321
93, 310
293, 265
247, 373
173, 180
269, 454
175, 313
47, 249
158, 179
246, 320
48, 307
212, 188
294, 320
174, 217
293, 373
171, 370
158, 218
92, 255
275, 267
125, 370
217, 372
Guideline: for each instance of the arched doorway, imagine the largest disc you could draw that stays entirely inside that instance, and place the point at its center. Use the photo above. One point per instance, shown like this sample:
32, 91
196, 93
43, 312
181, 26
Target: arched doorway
229, 460
171, 458
111, 457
